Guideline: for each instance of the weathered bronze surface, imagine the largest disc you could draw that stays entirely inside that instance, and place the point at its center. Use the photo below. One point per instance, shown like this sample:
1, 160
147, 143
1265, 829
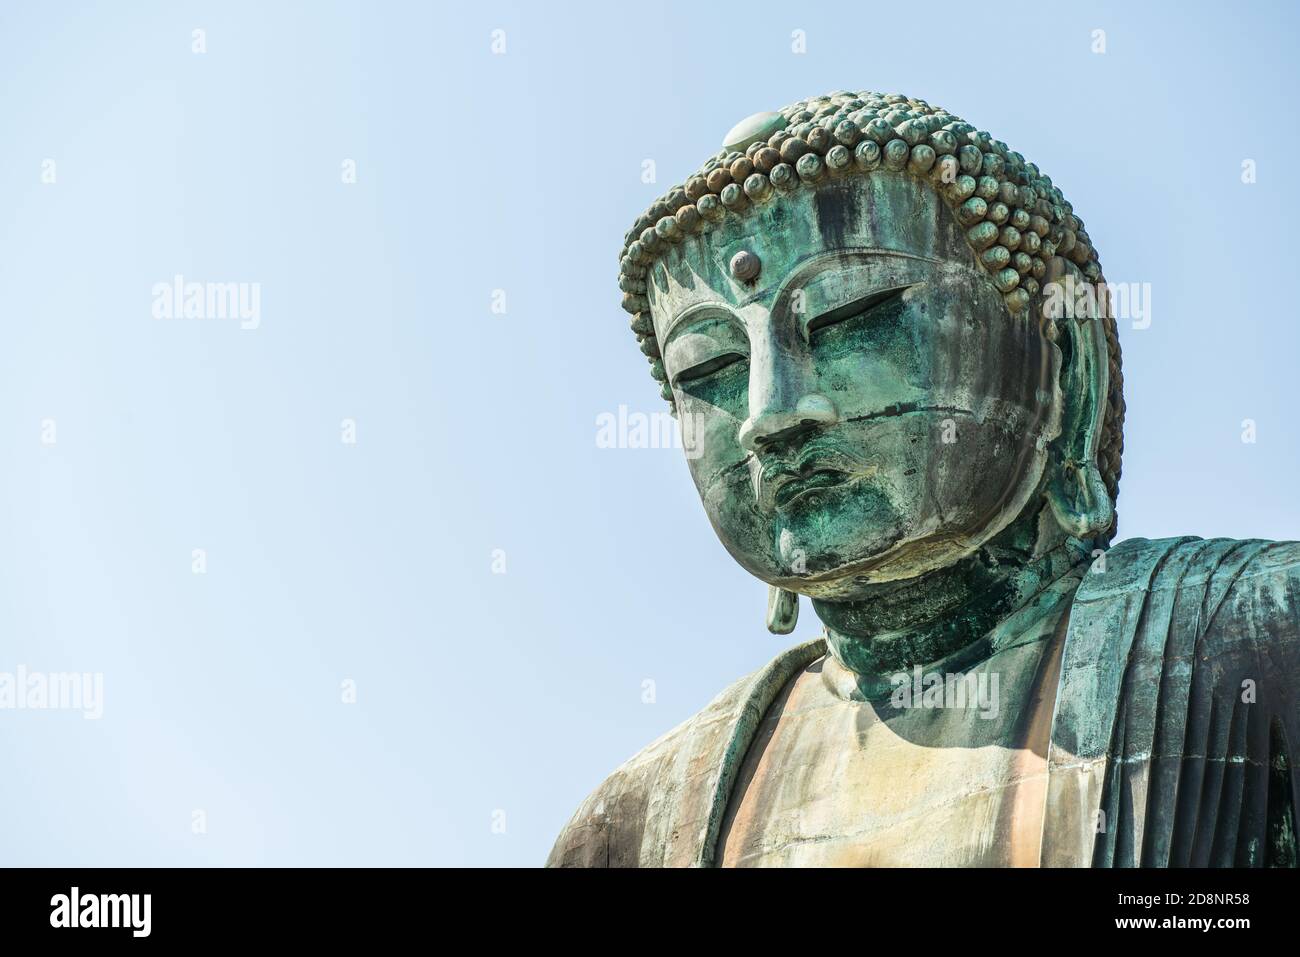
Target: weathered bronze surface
856, 308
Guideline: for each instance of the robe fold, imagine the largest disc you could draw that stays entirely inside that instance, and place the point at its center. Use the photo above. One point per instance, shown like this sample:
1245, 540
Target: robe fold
1171, 745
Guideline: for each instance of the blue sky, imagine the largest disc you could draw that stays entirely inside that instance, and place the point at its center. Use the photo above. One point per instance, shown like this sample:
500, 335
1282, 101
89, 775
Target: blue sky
487, 705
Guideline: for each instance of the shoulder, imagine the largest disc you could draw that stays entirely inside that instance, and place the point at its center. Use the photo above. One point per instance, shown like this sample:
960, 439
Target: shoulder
1181, 664
1234, 575
628, 809
660, 808
1219, 610
1148, 608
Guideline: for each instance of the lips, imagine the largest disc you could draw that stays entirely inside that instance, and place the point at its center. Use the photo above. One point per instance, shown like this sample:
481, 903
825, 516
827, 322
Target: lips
782, 484
786, 488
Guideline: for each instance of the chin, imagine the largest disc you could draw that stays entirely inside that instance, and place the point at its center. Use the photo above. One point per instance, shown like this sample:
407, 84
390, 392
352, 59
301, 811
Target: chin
853, 569
831, 571
844, 580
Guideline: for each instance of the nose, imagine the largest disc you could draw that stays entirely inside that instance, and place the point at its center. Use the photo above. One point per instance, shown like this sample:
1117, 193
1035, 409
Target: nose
776, 422
812, 412
784, 401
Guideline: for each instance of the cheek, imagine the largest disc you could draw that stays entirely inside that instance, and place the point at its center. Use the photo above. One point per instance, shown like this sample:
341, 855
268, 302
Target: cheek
937, 353
975, 403
972, 469
978, 384
710, 420
709, 414
744, 530
868, 363
987, 362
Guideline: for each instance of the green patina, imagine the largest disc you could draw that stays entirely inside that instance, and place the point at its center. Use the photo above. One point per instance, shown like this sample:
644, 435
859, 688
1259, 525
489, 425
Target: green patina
851, 309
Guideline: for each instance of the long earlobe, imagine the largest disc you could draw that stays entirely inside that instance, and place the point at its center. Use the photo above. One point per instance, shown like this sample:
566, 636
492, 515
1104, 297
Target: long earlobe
1079, 499
1075, 490
782, 610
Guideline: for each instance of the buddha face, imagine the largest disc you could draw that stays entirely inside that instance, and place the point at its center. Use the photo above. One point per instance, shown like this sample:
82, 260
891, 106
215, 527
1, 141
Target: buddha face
863, 408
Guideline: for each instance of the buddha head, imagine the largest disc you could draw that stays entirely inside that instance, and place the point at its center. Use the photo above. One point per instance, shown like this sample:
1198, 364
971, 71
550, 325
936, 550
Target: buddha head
847, 309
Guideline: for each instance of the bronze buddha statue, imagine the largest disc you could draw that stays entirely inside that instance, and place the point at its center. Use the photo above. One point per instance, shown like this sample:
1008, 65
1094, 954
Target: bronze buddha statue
866, 311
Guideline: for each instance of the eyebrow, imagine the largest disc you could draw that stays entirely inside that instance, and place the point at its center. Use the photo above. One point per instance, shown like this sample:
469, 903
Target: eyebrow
799, 274
695, 314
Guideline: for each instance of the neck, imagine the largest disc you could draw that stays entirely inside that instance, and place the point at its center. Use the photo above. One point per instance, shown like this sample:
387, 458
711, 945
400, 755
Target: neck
949, 614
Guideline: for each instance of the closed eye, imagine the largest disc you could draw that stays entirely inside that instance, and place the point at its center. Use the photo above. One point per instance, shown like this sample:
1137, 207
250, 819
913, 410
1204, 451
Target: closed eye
708, 367
859, 307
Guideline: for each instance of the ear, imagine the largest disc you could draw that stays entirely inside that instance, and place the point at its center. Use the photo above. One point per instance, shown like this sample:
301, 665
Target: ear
782, 610
1075, 489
